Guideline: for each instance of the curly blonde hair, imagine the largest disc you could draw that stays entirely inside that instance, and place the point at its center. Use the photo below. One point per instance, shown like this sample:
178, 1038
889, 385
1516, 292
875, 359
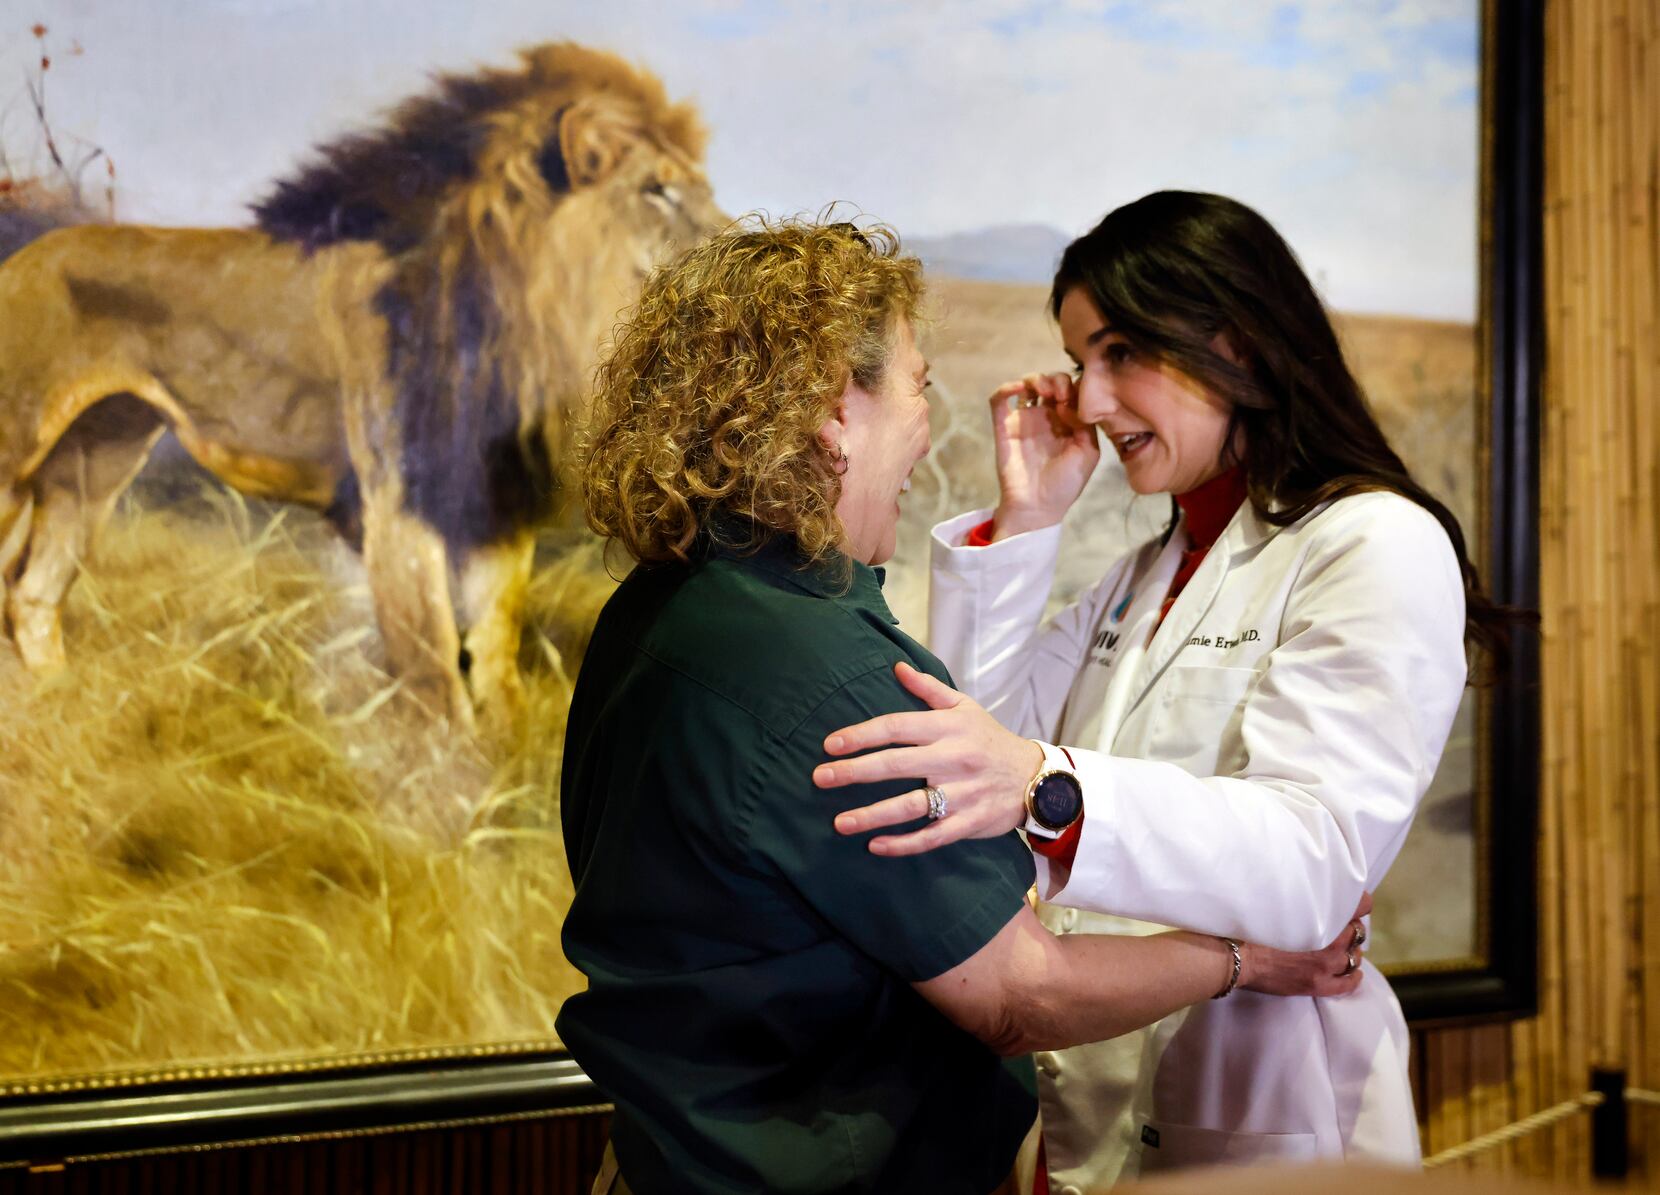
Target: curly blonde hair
711, 399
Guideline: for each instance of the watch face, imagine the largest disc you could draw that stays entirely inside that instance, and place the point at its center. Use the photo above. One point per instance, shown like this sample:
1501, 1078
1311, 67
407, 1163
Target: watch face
1057, 800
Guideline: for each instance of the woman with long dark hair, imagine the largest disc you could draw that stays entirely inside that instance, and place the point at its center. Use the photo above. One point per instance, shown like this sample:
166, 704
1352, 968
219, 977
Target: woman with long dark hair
1232, 730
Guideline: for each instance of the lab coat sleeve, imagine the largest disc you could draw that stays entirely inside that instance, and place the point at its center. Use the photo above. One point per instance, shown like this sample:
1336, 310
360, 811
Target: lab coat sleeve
1343, 730
985, 621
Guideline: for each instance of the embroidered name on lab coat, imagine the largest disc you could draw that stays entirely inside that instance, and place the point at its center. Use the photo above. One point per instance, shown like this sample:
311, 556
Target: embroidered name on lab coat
1223, 642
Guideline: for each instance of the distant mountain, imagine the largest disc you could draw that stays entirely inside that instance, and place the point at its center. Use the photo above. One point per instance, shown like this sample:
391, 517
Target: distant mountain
1002, 253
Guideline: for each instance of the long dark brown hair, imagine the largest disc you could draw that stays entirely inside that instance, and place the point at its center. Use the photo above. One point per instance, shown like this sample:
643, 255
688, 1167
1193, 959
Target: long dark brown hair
1175, 271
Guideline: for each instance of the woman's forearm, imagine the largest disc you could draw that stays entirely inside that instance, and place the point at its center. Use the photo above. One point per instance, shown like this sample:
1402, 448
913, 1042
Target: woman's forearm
1028, 989
1091, 987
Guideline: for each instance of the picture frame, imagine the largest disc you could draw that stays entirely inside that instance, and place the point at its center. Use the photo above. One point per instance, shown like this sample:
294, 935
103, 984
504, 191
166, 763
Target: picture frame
1500, 981
86, 1116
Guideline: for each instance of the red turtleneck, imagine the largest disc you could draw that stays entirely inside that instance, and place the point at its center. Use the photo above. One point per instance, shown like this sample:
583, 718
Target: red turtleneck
1207, 509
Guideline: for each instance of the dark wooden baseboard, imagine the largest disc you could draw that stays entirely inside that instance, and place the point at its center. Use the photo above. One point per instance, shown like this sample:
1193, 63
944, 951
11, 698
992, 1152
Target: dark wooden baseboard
552, 1155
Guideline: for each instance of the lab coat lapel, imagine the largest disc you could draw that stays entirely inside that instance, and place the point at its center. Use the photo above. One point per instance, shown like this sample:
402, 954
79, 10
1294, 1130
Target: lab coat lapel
1244, 532
1136, 625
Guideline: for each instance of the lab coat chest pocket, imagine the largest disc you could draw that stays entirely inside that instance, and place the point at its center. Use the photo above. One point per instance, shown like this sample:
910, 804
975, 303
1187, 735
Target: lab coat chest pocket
1198, 716
1167, 1146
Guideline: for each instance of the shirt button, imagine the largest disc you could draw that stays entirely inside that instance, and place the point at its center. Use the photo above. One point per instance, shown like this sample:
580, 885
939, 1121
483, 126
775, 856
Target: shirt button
1069, 920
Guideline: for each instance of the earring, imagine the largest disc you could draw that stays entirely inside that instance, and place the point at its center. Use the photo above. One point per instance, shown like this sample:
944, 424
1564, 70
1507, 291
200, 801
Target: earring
841, 460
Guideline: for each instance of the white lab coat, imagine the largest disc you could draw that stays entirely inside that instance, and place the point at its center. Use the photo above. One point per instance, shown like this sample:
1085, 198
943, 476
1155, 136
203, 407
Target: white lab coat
1249, 770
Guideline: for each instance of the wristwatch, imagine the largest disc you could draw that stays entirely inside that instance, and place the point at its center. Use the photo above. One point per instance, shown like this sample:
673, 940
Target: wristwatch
1054, 798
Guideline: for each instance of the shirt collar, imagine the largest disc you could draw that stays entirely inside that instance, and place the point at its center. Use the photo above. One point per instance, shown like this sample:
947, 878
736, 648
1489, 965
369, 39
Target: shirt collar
1248, 528
836, 577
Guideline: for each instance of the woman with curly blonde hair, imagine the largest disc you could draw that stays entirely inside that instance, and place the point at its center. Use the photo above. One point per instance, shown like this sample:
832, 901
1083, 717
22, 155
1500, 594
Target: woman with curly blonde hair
761, 1015
717, 389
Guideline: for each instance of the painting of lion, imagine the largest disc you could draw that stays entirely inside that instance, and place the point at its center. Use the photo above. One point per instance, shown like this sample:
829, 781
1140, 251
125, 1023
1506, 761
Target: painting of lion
400, 341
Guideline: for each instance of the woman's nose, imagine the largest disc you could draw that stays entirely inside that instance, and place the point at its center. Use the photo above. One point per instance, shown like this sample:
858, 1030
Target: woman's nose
1095, 399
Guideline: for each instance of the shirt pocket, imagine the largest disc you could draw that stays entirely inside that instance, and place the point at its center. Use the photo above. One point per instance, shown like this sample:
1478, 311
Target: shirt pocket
1166, 1146
1200, 712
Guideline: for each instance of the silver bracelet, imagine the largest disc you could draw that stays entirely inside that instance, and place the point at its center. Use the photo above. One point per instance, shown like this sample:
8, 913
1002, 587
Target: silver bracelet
1238, 965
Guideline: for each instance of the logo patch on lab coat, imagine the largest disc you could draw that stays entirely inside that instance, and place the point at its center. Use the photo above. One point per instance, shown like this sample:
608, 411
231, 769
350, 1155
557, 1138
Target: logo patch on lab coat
1104, 647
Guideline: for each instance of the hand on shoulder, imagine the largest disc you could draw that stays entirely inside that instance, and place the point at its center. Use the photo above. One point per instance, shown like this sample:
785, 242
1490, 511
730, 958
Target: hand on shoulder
980, 769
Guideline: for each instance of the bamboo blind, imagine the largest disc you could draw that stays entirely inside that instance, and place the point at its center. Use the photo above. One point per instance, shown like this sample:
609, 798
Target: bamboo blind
1600, 599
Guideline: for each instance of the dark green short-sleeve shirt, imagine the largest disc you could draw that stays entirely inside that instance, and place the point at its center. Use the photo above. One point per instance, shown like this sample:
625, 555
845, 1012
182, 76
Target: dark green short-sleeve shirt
749, 1007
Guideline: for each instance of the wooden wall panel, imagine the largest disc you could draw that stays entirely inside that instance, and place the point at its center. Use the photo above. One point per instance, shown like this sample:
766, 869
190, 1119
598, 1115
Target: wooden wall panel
1600, 599
556, 1155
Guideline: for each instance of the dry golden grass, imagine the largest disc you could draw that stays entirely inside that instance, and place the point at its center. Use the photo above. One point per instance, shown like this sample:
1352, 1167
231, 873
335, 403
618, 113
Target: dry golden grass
1420, 376
225, 837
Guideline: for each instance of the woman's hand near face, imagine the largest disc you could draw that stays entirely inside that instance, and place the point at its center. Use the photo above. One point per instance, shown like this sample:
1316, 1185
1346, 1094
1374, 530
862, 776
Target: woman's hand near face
1045, 452
954, 745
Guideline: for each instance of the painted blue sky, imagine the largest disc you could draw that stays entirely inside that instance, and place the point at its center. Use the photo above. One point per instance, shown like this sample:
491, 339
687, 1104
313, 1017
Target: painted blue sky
1352, 124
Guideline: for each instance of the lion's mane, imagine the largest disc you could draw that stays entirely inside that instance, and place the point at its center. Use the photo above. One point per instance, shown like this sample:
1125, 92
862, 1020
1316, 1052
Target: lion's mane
456, 190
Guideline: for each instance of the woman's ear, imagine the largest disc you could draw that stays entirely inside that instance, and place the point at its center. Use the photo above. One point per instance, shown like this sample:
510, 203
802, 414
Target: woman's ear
1225, 344
833, 431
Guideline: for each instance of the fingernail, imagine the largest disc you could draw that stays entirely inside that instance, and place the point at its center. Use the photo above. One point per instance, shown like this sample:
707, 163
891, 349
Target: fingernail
823, 775
833, 743
845, 822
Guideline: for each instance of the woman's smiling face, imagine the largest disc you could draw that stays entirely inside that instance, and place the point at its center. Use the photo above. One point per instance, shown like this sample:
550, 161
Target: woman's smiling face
1167, 429
883, 434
